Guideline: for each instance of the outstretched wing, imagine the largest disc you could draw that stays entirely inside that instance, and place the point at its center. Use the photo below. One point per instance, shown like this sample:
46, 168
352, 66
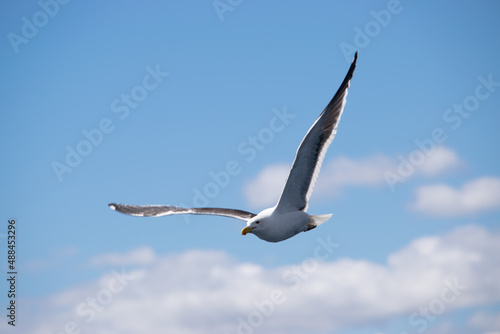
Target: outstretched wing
312, 150
165, 210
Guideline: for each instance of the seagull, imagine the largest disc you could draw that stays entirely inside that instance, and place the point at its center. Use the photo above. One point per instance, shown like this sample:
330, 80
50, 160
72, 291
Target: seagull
289, 216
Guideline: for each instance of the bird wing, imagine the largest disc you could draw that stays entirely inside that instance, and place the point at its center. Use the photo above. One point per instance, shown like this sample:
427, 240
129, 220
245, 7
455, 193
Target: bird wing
312, 150
166, 210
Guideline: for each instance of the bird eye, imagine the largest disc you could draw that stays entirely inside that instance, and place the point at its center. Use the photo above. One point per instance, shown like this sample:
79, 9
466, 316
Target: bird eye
257, 222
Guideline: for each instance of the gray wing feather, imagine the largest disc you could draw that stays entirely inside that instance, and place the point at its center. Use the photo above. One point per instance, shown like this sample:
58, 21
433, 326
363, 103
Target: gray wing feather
166, 210
312, 150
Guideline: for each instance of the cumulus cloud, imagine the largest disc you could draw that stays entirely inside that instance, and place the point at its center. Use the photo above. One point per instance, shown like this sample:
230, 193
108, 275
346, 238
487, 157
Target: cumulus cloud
266, 187
139, 256
58, 257
439, 160
487, 322
211, 292
342, 172
442, 200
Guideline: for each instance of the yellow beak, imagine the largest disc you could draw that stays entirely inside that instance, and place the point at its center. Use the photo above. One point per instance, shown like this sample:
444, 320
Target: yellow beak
246, 230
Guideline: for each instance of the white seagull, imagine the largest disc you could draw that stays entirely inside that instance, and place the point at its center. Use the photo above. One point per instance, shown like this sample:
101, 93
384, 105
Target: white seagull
289, 216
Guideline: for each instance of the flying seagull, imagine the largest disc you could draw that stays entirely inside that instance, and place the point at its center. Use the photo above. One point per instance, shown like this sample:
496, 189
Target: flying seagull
289, 216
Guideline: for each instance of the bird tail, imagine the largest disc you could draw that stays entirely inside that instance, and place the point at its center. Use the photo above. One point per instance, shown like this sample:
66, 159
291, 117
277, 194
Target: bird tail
320, 219
317, 220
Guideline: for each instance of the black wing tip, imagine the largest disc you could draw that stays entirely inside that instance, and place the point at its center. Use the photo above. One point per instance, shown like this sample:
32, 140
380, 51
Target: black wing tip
112, 206
354, 60
353, 65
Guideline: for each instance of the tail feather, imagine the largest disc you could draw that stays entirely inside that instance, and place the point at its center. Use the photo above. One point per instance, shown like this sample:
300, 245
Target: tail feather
317, 220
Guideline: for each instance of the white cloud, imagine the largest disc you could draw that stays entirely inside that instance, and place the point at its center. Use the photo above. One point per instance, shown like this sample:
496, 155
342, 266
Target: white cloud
487, 322
439, 160
442, 200
58, 257
266, 187
342, 172
210, 292
139, 256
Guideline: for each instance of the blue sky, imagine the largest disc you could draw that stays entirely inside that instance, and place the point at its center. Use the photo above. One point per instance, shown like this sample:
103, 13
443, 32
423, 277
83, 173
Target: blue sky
156, 98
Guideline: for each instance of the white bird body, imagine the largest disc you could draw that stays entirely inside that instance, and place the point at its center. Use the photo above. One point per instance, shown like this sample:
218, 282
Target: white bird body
289, 216
273, 226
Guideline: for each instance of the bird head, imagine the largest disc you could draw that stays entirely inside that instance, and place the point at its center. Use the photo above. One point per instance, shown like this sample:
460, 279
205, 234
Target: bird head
252, 225
258, 223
